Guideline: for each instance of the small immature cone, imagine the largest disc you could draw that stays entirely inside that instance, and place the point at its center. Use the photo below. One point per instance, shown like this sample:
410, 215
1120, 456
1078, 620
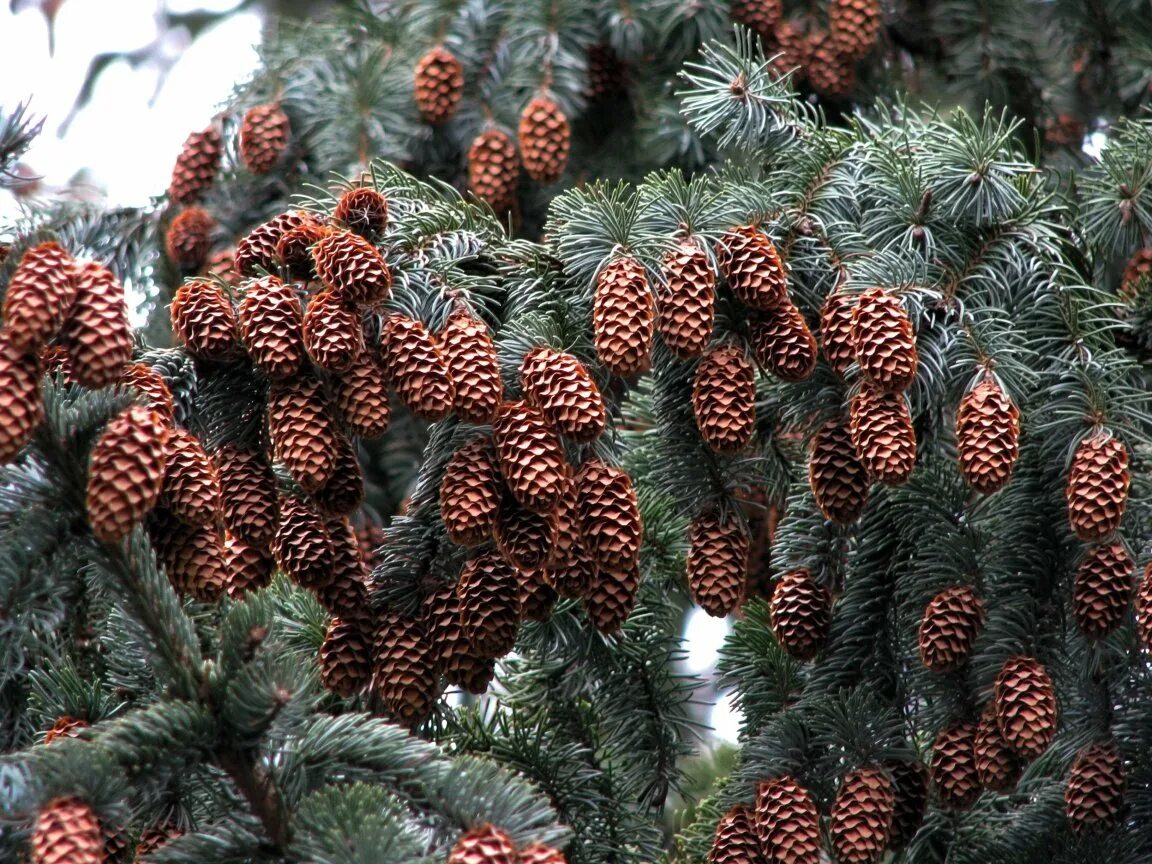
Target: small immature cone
361, 397
302, 546
717, 563
836, 341
1025, 703
800, 613
884, 342
494, 169
561, 387
256, 250
862, 816
489, 594
953, 765
485, 844
21, 402
271, 324
1102, 589
247, 495
531, 456
987, 436
152, 387
470, 354
67, 832
196, 166
538, 853
353, 268
346, 656
883, 435
910, 782
191, 490
343, 491
38, 297
838, 480
125, 472
612, 597
545, 139
753, 268
608, 516
248, 568
787, 822
623, 318
264, 135
439, 84
416, 368
687, 301
1097, 491
949, 627
782, 343
571, 569
1094, 795
203, 319
363, 211
470, 493
735, 840
996, 762
724, 399
405, 668
524, 537
333, 335
189, 238
302, 433
455, 658
97, 334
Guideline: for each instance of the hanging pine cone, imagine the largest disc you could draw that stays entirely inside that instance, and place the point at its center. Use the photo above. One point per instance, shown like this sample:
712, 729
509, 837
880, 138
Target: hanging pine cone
883, 435
455, 659
270, 324
571, 569
222, 265
1097, 489
854, 25
782, 343
191, 490
687, 300
470, 493
996, 762
910, 782
735, 840
345, 594
524, 537
192, 557
753, 268
611, 598
196, 166
264, 135
54, 361
21, 402
189, 239
333, 335
494, 169
862, 816
724, 399
836, 341
416, 368
531, 456
248, 568
954, 765
838, 480
346, 656
623, 317
343, 491
1136, 272
489, 593
294, 249
1143, 605
256, 251
987, 437
152, 386
302, 434
362, 211
607, 74
948, 629
97, 335
831, 73
39, 295
352, 268
538, 853
1102, 589
439, 85
608, 516
717, 563
561, 387
361, 397
470, 356
301, 545
787, 822
884, 342
758, 15
795, 52
247, 495
405, 668
1025, 703
203, 319
125, 472
537, 596
545, 138
801, 614
483, 845
1094, 795
67, 832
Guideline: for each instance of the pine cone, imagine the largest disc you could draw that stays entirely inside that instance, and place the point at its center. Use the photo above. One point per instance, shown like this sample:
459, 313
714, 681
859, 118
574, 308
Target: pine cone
611, 598
862, 816
470, 492
196, 166
21, 402
470, 356
795, 52
951, 622
538, 853
571, 569
954, 765
883, 436
333, 336
717, 563
787, 822
1025, 706
294, 249
560, 386
494, 169
65, 727
608, 516
996, 762
405, 668
1143, 604
264, 135
97, 334
303, 437
154, 837
545, 139
39, 295
189, 239
353, 268
248, 568
854, 24
203, 319
256, 251
67, 832
782, 343
1138, 269
1097, 490
416, 368
483, 845
343, 491
345, 594
1094, 795
607, 74
755, 273
455, 659
54, 361
1102, 590
838, 480
884, 342
370, 535
687, 300
537, 596
910, 782
724, 399
759, 15
346, 657
301, 545
524, 537
831, 73
271, 324
153, 387
735, 840
836, 340
361, 396
801, 614
531, 457
623, 316
362, 211
987, 437
125, 472
222, 265
247, 495
193, 557
489, 593
191, 489
439, 85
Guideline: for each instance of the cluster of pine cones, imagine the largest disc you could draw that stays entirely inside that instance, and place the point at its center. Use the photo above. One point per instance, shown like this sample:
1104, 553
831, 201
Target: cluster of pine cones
68, 831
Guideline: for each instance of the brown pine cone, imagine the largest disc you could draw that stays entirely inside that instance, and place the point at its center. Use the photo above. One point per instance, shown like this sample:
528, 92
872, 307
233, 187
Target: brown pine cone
345, 594
996, 762
150, 385
910, 782
948, 629
953, 765
987, 437
271, 324
191, 490
1094, 795
247, 495
405, 668
801, 614
67, 832
1143, 605
524, 537
455, 659
362, 211
353, 268
752, 267
795, 52
125, 472
531, 456
623, 318
333, 335
1097, 489
196, 166
1025, 703
39, 295
1137, 270
439, 85
192, 556
545, 139
21, 402
470, 356
256, 251
416, 368
883, 435
302, 433
836, 340
854, 25
735, 840
483, 845
537, 596
346, 656
561, 387
758, 15
717, 563
571, 569
97, 334
838, 480
724, 399
248, 568
264, 135
361, 397
607, 74
343, 491
294, 249
489, 594
1102, 589
301, 545
189, 239
831, 73
687, 300
608, 516
153, 837
222, 265
782, 343
538, 853
203, 319
470, 493
862, 816
884, 342
611, 598
494, 169
787, 822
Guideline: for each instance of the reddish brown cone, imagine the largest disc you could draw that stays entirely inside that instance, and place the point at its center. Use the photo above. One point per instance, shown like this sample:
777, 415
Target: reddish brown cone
189, 238
489, 594
838, 480
301, 546
416, 368
753, 268
455, 658
470, 355
836, 340
953, 765
545, 139
38, 297
524, 537
361, 397
192, 556
854, 24
1102, 589
346, 656
302, 433
470, 493
571, 570
717, 563
97, 334
247, 495
686, 301
531, 456
256, 251
735, 840
21, 402
294, 249
483, 845
405, 668
561, 387
67, 832
248, 568
196, 166
1097, 489
724, 399
884, 342
987, 436
333, 336
271, 325
1025, 703
264, 135
191, 488
782, 343
801, 613
538, 853
1094, 795
608, 516
623, 318
204, 320
787, 822
758, 15
152, 386
996, 762
343, 491
862, 816
1143, 606
494, 169
611, 598
948, 629
125, 472
363, 211
883, 435
537, 596
439, 85
352, 268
